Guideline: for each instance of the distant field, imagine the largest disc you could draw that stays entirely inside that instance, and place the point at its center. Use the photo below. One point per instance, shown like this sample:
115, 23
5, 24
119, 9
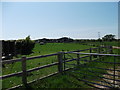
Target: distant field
49, 48
112, 43
108, 43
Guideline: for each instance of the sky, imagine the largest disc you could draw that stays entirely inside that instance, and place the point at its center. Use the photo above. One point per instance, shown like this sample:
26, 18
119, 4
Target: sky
78, 20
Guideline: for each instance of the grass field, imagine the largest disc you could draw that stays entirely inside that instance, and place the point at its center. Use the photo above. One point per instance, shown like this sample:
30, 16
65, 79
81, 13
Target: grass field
58, 81
48, 48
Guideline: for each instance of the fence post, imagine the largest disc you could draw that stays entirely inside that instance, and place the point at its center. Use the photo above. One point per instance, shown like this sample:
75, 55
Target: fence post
78, 59
24, 73
90, 55
114, 72
60, 62
102, 48
99, 49
106, 48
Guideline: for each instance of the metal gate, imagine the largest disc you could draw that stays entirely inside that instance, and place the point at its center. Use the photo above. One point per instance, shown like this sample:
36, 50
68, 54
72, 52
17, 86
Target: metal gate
96, 70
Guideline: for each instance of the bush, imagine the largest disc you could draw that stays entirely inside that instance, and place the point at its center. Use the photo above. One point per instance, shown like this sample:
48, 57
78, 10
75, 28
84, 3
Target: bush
14, 47
8, 47
25, 46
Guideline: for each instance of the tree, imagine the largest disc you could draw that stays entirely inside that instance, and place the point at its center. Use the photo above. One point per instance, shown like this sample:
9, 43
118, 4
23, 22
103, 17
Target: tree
65, 39
27, 45
109, 37
24, 46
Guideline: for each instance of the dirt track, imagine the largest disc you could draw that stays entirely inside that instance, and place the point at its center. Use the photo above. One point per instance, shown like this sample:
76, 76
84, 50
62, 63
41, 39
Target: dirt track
115, 47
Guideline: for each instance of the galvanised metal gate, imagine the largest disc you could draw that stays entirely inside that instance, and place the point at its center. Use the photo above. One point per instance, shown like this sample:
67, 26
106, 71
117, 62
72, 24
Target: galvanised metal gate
96, 70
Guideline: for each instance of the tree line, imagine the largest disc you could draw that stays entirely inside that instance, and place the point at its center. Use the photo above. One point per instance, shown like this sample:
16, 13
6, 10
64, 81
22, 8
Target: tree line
108, 37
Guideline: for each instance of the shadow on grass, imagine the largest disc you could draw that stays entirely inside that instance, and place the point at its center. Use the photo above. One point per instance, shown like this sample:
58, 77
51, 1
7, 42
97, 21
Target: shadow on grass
27, 87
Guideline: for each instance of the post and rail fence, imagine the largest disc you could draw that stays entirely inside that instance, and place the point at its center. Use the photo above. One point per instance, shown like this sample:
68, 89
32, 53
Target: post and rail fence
60, 62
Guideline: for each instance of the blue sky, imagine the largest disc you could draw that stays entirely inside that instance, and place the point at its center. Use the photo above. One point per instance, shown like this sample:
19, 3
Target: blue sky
77, 20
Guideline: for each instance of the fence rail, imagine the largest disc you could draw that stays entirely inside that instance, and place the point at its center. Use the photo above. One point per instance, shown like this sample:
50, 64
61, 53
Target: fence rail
28, 58
60, 62
96, 54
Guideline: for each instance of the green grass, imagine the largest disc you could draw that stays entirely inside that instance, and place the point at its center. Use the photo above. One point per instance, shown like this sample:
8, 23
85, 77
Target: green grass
58, 81
67, 81
43, 49
48, 48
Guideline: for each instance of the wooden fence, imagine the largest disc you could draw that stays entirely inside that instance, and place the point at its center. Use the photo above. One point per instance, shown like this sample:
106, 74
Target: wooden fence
60, 62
